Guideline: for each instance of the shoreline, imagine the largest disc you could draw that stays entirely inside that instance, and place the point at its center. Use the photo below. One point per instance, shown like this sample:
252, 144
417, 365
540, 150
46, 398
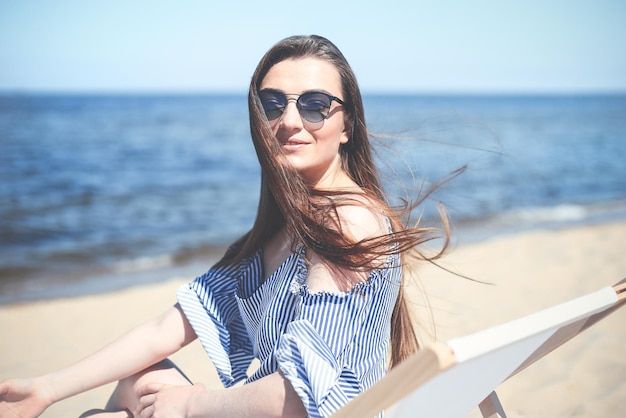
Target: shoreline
528, 271
99, 279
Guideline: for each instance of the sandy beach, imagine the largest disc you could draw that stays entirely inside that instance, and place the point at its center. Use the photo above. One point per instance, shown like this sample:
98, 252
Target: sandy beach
528, 272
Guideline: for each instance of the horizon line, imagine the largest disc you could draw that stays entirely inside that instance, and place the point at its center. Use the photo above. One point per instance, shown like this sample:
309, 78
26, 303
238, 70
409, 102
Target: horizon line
364, 92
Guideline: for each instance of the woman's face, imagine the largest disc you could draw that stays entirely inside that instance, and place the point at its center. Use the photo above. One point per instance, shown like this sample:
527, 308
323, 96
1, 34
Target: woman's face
311, 147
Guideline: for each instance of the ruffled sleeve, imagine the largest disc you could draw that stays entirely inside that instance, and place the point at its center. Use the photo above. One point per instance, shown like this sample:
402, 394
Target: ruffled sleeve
337, 345
316, 375
210, 307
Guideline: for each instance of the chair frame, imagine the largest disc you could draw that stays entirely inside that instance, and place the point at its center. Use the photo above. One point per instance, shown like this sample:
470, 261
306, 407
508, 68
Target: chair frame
501, 352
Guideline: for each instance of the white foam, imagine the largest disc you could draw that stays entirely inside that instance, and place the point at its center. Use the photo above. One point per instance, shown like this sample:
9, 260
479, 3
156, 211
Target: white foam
144, 263
560, 213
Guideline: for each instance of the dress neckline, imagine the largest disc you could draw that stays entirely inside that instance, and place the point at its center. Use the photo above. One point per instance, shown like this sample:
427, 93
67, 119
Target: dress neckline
296, 256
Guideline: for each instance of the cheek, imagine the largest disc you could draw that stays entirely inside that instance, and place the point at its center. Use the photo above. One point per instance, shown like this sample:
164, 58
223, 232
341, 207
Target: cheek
273, 126
342, 134
334, 130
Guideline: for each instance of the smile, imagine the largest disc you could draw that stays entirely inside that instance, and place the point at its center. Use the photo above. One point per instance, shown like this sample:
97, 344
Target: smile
292, 143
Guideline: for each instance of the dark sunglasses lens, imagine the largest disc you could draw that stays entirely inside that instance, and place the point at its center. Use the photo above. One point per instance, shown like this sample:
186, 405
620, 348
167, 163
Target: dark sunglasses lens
314, 106
273, 104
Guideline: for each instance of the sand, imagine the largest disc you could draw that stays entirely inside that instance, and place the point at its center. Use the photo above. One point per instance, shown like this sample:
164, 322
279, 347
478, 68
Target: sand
528, 271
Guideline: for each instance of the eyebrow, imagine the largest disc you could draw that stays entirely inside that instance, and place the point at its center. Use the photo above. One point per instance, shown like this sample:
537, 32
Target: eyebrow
269, 89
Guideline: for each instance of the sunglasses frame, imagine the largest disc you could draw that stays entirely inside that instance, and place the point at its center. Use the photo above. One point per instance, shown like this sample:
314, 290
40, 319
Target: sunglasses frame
300, 108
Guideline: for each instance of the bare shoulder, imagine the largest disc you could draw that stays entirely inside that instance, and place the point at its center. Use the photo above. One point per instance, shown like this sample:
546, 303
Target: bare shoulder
361, 218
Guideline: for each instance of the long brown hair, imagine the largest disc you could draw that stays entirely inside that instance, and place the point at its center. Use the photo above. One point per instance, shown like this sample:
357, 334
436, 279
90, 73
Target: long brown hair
287, 201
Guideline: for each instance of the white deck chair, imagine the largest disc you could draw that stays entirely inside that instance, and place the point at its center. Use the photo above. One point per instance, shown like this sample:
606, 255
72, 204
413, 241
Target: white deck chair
449, 380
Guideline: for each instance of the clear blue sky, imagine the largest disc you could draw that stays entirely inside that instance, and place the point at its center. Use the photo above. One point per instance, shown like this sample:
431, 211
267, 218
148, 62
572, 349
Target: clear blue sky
412, 45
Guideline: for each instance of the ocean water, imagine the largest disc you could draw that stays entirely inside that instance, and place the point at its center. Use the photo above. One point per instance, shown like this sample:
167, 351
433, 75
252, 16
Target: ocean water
104, 191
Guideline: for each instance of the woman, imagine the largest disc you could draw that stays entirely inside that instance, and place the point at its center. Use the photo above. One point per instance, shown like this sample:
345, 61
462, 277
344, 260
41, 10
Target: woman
313, 291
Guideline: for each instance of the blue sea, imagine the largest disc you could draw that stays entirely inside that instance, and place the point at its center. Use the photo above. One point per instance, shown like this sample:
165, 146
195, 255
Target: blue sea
105, 191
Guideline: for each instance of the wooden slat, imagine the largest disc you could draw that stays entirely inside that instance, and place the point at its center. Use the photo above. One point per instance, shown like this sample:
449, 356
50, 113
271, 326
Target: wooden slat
399, 382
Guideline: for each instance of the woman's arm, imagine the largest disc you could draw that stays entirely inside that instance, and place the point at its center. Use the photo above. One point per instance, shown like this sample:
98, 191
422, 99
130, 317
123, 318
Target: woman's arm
271, 396
140, 348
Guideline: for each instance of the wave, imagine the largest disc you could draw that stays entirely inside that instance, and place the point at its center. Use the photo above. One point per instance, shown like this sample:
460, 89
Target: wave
536, 217
565, 213
52, 280
144, 263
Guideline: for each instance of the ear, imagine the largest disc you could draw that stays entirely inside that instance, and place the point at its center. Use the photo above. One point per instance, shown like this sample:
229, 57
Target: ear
347, 132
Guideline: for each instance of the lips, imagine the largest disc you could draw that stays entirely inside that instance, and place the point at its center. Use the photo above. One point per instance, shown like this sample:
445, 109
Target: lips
292, 142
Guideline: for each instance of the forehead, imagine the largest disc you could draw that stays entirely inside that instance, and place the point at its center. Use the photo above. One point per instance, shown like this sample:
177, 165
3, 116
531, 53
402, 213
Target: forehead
303, 74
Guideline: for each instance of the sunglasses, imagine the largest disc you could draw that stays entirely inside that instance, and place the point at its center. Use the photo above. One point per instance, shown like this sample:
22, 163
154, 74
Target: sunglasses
314, 106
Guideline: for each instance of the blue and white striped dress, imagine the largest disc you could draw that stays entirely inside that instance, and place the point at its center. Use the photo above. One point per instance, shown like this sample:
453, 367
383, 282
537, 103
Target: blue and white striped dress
330, 346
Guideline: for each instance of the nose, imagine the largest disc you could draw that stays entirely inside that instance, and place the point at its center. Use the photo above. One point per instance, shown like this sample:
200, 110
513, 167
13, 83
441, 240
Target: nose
290, 119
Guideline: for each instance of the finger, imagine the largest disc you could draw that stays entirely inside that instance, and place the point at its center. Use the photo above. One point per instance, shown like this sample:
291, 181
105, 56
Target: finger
146, 400
147, 412
149, 388
145, 406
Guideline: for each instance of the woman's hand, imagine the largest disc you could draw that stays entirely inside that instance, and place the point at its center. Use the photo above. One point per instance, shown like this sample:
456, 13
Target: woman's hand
23, 398
165, 401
